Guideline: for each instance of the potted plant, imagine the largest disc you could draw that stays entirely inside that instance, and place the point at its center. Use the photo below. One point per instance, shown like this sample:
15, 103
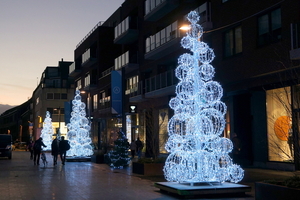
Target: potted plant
149, 166
98, 156
278, 189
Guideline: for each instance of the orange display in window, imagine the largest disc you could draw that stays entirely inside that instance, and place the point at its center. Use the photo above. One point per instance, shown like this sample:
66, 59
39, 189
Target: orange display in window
282, 126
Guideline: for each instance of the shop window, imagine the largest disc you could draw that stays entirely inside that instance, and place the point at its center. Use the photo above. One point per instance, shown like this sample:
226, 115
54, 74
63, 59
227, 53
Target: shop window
163, 129
278, 103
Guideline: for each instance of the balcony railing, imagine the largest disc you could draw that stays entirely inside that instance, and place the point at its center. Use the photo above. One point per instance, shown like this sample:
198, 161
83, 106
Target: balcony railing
72, 68
160, 81
95, 27
156, 9
157, 84
126, 32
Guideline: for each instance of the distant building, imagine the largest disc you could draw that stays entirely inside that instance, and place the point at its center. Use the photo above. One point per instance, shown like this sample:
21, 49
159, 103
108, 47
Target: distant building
55, 90
16, 122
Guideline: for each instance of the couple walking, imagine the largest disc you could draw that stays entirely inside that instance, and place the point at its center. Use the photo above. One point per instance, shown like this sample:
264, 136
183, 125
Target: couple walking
59, 147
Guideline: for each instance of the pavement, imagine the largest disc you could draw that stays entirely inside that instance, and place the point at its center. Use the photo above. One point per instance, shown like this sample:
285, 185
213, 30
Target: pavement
20, 179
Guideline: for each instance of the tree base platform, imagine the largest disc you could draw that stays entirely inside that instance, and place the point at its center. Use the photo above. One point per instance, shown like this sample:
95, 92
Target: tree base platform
78, 159
205, 188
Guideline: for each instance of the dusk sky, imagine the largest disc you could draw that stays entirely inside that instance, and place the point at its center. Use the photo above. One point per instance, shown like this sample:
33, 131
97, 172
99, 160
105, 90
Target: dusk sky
36, 34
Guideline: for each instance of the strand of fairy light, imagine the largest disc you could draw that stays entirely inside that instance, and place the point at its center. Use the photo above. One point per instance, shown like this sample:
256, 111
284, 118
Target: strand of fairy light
197, 152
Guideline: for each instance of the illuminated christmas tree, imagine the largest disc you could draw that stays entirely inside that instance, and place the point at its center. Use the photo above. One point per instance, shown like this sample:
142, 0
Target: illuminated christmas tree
47, 132
79, 129
197, 152
118, 158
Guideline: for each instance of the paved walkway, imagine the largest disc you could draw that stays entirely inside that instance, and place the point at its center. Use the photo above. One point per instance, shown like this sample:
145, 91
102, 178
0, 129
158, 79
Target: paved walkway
21, 180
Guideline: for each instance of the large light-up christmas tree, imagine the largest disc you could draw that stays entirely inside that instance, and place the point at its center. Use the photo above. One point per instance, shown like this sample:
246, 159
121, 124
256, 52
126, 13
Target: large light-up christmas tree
198, 153
79, 129
47, 132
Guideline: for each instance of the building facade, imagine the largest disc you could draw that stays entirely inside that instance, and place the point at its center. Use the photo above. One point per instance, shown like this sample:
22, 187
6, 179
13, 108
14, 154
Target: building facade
17, 122
53, 94
257, 61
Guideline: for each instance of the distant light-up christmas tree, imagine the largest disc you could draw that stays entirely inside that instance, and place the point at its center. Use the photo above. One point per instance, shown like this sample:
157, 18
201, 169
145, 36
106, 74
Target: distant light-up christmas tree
47, 132
79, 129
118, 157
197, 152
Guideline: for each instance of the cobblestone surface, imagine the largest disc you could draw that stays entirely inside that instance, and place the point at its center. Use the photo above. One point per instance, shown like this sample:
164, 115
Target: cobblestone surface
20, 179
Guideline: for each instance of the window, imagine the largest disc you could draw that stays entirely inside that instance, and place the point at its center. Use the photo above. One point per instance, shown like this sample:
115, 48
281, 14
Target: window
204, 12
56, 83
278, 102
104, 98
122, 60
161, 37
64, 96
295, 35
122, 27
57, 111
148, 43
50, 96
95, 101
269, 27
132, 82
151, 5
78, 84
163, 129
87, 80
86, 56
56, 95
233, 41
50, 110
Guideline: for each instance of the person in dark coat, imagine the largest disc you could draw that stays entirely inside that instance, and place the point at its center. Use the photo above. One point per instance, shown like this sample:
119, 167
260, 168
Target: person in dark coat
30, 148
37, 148
63, 148
139, 147
55, 150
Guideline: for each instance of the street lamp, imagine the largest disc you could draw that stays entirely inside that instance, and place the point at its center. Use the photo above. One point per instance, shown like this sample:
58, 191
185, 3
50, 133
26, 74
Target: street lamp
185, 27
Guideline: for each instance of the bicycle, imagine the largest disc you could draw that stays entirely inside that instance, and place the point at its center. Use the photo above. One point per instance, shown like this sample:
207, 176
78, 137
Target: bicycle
44, 158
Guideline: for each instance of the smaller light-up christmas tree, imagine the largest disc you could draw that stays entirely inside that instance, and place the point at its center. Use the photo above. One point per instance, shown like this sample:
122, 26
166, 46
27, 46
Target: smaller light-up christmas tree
118, 158
47, 131
79, 130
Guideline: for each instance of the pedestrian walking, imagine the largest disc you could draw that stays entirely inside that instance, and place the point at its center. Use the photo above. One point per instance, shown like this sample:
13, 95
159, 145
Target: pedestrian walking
55, 150
30, 148
132, 149
64, 146
37, 148
139, 147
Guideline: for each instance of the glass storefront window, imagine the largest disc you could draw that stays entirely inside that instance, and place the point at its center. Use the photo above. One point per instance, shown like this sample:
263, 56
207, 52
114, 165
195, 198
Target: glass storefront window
278, 104
163, 130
